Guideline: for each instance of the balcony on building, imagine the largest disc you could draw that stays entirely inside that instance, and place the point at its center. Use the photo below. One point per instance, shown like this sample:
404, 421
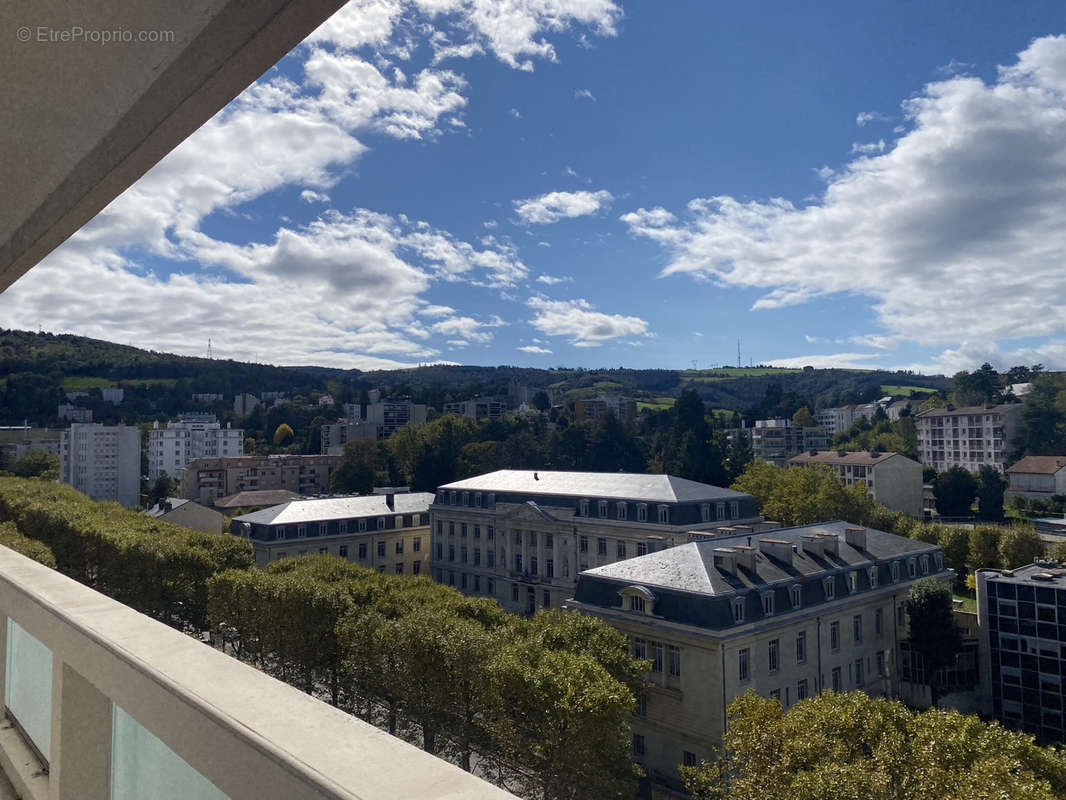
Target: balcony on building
105, 703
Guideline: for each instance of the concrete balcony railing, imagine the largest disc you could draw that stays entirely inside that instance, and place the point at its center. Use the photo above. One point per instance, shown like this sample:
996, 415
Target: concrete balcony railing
104, 703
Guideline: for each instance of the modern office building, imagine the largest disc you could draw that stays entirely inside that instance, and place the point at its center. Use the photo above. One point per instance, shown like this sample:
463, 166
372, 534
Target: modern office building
387, 532
193, 436
891, 479
784, 613
1037, 478
970, 437
207, 479
1022, 621
103, 461
522, 537
391, 415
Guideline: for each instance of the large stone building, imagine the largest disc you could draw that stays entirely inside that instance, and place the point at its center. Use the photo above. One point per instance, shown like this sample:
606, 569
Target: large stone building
785, 613
891, 479
103, 461
522, 537
387, 532
1022, 621
1037, 478
206, 479
969, 437
193, 436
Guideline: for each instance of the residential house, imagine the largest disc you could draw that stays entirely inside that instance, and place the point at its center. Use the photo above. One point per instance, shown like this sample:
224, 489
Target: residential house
1037, 478
891, 479
187, 513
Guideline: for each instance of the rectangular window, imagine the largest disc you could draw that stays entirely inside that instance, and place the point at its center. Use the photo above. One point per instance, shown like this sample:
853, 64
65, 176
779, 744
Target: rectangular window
416, 544
673, 661
638, 745
533, 565
477, 556
547, 598
451, 552
879, 624
381, 523
801, 647
416, 567
688, 759
532, 538
549, 568
462, 553
743, 671
656, 656
362, 525
451, 529
834, 636
858, 672
514, 592
768, 604
583, 544
601, 547
477, 531
830, 588
622, 510
738, 609
640, 650
462, 530
641, 709
517, 562
856, 628
621, 549
362, 551
342, 551
490, 532
462, 581
771, 654
836, 679
601, 507
801, 690
301, 531
642, 512
642, 548
549, 541
399, 547
880, 663
490, 558
490, 587
399, 568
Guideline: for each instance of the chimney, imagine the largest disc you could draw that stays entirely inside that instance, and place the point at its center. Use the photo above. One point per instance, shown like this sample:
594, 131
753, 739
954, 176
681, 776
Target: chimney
743, 529
725, 559
768, 524
812, 545
745, 556
856, 537
778, 549
830, 543
390, 501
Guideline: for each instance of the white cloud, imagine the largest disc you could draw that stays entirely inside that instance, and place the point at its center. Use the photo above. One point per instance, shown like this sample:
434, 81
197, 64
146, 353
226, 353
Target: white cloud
311, 196
551, 280
955, 232
578, 319
532, 348
584, 94
868, 147
516, 113
436, 311
468, 328
490, 224
554, 206
865, 117
838, 360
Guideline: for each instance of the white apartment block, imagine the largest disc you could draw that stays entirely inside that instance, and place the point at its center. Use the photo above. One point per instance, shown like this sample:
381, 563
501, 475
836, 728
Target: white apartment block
170, 449
103, 461
333, 436
836, 420
891, 479
969, 437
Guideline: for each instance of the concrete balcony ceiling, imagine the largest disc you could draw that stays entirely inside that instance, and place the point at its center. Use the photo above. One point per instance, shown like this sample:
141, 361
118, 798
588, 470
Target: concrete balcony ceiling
86, 112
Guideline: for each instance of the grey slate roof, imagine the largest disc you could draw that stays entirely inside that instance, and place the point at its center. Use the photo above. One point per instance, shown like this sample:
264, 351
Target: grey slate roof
256, 497
690, 567
861, 458
160, 509
323, 510
945, 412
619, 485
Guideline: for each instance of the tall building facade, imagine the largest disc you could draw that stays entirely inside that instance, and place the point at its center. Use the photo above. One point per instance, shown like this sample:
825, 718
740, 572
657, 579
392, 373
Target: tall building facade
969, 437
521, 537
208, 479
334, 435
774, 440
103, 461
193, 436
786, 614
891, 479
478, 409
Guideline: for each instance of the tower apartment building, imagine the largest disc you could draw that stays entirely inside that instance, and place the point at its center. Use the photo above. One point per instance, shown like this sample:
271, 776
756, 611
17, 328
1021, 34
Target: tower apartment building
969, 437
103, 461
193, 436
785, 613
522, 537
208, 479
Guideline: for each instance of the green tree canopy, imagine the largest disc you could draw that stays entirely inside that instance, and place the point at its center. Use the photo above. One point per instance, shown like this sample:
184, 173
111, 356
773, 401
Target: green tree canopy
1019, 545
283, 434
933, 633
953, 492
37, 464
990, 489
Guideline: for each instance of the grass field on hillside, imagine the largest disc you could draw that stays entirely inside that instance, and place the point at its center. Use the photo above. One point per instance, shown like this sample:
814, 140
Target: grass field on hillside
905, 390
724, 373
83, 383
656, 403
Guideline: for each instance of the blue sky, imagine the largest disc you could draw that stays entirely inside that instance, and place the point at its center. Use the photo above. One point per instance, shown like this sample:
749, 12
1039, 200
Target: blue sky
578, 182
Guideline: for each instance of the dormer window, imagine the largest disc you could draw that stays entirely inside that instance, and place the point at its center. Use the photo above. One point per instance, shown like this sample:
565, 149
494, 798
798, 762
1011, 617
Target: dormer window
734, 509
872, 575
477, 500
492, 500
466, 498
738, 609
664, 515
638, 599
705, 512
925, 565
451, 497
636, 603
601, 507
853, 579
301, 531
768, 604
895, 571
642, 512
622, 510
797, 595
583, 508
912, 568
381, 523
830, 588
939, 562
720, 508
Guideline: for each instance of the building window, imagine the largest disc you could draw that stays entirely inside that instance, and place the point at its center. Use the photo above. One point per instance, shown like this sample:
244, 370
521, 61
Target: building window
878, 622
477, 531
477, 556
399, 568
638, 745
399, 547
801, 690
549, 541
416, 544
858, 672
720, 509
642, 548
853, 580
939, 562
656, 656
451, 552
416, 567
871, 573
602, 509
518, 537
381, 523
547, 599
797, 595
801, 647
462, 530
533, 565
641, 708
490, 587
856, 628
830, 588
342, 551
664, 515
738, 609
895, 571
834, 636
462, 581
477, 500
743, 670
622, 510
705, 512
583, 544
771, 654
899, 614
912, 569
490, 558
462, 553
490, 532
517, 562
451, 497
640, 650
532, 538
583, 510
836, 679
381, 549
621, 549
301, 531
342, 526
451, 579
881, 663
549, 567
601, 547
642, 512
925, 565
362, 551
768, 604
279, 533
451, 529
673, 661
688, 759
734, 509
362, 525
323, 528
514, 592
